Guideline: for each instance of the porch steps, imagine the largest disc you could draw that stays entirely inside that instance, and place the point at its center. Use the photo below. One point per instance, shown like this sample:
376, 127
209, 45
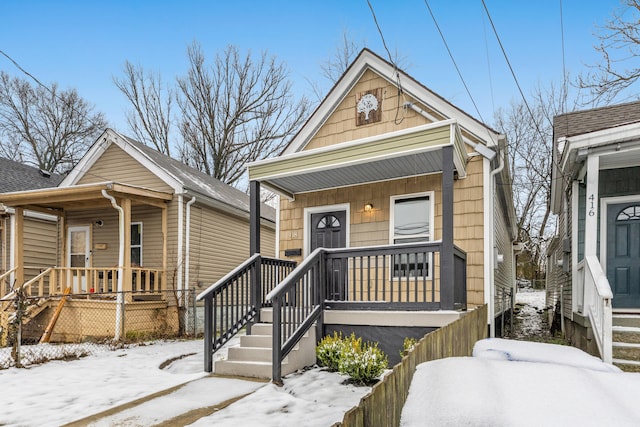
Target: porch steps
626, 341
253, 357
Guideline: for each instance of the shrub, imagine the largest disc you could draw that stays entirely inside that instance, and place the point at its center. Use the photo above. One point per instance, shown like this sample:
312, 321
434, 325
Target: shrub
329, 351
362, 363
407, 345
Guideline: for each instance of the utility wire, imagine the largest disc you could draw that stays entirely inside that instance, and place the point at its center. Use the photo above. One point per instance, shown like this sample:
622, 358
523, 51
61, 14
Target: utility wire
435, 21
504, 53
395, 66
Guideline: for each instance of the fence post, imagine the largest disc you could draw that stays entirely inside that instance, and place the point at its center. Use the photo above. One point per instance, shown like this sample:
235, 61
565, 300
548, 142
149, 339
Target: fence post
195, 312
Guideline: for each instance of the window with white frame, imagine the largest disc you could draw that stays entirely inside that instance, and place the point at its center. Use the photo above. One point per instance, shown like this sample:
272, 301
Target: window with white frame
411, 222
136, 243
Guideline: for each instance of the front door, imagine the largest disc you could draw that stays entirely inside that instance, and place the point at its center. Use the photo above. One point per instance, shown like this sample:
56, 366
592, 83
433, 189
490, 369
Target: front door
79, 251
623, 253
329, 230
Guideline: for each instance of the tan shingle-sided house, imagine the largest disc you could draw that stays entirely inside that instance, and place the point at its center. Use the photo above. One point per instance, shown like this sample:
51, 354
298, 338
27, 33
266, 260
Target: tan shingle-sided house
131, 219
396, 206
593, 268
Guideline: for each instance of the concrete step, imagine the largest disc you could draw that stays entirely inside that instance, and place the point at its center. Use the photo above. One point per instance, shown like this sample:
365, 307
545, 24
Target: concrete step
627, 365
626, 334
631, 320
262, 329
263, 341
250, 354
250, 369
626, 351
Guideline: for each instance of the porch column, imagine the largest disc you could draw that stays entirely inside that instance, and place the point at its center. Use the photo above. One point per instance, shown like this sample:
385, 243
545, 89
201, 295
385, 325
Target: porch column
254, 218
254, 248
18, 256
446, 254
592, 206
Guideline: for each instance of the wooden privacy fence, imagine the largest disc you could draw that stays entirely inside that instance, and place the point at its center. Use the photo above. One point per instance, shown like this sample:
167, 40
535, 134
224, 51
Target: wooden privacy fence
383, 405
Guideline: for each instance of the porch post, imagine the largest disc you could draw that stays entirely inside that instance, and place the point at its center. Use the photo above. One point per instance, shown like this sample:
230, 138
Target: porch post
254, 219
592, 206
18, 256
446, 253
126, 233
254, 248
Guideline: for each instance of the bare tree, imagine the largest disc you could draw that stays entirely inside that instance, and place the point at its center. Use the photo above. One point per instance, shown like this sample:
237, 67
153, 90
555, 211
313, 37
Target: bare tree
150, 119
236, 111
49, 127
619, 47
529, 130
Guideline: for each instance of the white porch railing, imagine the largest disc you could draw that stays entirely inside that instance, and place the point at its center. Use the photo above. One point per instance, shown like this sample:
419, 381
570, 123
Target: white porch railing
596, 302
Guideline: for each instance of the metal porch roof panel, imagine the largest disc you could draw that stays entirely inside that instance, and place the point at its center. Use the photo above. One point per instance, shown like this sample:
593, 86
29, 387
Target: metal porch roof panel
380, 170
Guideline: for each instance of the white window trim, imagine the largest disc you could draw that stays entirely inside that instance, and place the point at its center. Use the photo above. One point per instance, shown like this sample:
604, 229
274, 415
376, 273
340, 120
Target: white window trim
430, 195
141, 241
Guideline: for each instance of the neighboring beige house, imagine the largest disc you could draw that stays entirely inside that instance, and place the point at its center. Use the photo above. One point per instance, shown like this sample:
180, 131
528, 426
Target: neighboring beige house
134, 220
40, 229
406, 201
593, 268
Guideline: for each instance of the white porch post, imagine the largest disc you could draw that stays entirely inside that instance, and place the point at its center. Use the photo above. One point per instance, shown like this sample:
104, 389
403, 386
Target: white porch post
592, 206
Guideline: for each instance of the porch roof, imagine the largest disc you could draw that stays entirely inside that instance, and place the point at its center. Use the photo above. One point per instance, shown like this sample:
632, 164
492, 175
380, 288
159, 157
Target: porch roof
82, 196
408, 152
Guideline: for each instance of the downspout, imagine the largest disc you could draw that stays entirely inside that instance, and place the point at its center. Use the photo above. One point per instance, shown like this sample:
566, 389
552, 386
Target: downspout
180, 259
492, 287
187, 260
119, 297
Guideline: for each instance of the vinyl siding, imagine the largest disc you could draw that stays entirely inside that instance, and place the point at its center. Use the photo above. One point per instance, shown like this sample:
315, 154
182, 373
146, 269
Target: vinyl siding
503, 275
219, 243
40, 240
116, 165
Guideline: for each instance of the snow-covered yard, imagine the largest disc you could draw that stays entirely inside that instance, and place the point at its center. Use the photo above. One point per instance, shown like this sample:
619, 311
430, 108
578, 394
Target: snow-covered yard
60, 392
505, 383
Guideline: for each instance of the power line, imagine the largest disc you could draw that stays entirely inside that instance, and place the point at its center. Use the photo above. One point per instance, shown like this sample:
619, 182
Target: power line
395, 66
504, 53
457, 68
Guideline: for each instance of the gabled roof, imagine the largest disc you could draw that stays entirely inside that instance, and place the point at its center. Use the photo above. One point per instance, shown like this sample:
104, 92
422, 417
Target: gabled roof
586, 121
16, 176
367, 60
182, 178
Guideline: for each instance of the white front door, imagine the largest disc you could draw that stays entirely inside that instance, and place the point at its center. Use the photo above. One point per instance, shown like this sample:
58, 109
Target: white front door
78, 253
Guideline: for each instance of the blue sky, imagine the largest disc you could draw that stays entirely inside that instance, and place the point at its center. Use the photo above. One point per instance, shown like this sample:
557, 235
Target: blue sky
83, 44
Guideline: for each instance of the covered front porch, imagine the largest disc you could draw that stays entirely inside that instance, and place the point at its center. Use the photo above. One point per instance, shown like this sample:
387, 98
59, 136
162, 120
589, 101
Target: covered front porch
326, 263
99, 250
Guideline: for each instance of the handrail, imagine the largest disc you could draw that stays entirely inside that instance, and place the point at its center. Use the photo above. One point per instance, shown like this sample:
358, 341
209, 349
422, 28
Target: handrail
597, 303
216, 286
298, 301
235, 300
3, 281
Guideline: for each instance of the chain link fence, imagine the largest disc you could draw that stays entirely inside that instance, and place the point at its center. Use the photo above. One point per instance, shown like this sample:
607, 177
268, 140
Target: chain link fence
35, 330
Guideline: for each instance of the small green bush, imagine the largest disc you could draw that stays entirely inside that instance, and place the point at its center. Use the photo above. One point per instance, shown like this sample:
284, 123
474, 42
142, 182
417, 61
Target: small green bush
362, 363
329, 351
407, 345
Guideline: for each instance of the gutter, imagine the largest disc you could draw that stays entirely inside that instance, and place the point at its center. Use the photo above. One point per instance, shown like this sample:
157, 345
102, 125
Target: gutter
187, 262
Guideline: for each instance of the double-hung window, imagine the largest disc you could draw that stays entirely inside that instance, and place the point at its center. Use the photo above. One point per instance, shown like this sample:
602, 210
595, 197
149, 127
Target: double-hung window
411, 222
136, 243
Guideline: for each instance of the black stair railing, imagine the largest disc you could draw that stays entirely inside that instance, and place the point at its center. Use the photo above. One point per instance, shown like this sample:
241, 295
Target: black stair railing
235, 300
391, 277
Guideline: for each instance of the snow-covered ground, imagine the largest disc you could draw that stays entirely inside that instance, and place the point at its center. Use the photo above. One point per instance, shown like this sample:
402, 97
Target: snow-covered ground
506, 383
516, 383
60, 392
